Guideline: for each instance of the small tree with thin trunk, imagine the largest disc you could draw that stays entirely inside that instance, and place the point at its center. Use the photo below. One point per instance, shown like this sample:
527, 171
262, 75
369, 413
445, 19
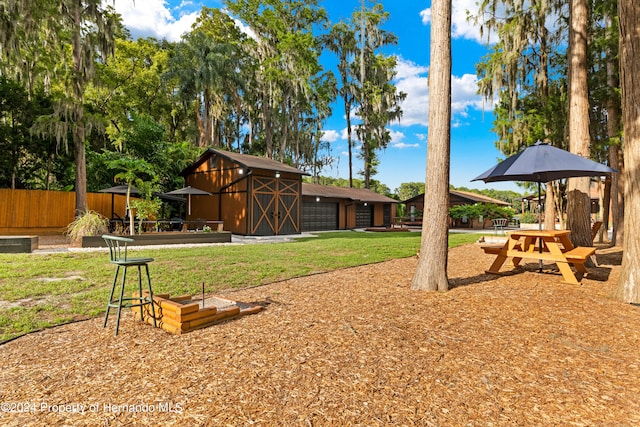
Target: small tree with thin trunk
431, 273
133, 172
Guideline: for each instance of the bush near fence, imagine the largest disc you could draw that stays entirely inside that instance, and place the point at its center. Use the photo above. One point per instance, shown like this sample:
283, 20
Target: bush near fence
42, 212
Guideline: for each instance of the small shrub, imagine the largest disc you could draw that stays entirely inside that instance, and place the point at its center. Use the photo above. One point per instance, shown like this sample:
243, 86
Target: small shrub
527, 218
145, 209
90, 223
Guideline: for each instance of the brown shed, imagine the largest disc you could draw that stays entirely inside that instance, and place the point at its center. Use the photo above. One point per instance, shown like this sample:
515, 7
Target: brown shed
327, 207
456, 198
252, 195
415, 205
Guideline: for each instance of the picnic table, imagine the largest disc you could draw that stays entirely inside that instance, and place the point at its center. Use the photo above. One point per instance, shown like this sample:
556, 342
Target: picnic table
543, 245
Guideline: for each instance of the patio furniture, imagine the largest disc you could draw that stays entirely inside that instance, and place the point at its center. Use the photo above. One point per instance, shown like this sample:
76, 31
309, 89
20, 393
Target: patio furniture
118, 256
499, 224
543, 245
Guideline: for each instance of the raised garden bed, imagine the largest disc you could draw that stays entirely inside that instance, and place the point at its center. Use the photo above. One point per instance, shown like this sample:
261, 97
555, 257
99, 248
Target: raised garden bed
165, 238
18, 244
182, 314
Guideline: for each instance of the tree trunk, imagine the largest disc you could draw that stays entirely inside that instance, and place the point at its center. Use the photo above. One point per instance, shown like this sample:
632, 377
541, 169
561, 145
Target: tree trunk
628, 288
200, 124
347, 108
78, 122
268, 131
603, 235
578, 200
613, 132
431, 273
617, 195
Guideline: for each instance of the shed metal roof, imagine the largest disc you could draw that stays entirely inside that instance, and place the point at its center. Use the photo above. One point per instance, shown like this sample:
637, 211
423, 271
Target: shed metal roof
355, 194
466, 195
245, 160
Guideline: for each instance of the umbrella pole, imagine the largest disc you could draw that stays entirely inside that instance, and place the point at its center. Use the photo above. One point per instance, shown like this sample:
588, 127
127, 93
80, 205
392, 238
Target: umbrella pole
539, 225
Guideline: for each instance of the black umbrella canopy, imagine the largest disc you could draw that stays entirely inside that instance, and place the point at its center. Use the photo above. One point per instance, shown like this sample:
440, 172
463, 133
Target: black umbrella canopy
542, 162
120, 189
189, 191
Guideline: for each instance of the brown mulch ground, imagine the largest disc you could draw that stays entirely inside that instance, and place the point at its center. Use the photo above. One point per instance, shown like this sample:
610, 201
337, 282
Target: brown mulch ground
353, 347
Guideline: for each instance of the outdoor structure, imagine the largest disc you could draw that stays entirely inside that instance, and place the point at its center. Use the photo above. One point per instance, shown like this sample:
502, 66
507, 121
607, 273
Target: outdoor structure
327, 207
256, 196
530, 203
455, 198
182, 314
252, 195
415, 205
42, 212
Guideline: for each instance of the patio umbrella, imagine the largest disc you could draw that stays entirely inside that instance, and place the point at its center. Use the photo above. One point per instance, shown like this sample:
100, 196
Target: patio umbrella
119, 189
540, 163
189, 191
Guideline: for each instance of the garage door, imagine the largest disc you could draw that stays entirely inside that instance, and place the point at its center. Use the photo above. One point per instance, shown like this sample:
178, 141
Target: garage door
364, 215
319, 216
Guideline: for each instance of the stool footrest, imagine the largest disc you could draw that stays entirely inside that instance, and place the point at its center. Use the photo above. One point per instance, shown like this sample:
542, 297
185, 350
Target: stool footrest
142, 301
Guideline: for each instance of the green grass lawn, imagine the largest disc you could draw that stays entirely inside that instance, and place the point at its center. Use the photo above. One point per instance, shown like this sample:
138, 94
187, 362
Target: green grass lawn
43, 290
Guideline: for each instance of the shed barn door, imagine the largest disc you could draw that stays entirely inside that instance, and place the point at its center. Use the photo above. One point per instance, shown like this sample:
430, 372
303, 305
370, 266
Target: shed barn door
288, 207
276, 206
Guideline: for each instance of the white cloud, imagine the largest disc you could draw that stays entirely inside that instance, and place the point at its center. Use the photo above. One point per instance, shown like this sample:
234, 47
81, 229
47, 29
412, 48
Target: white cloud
412, 80
464, 93
461, 25
330, 135
396, 137
152, 18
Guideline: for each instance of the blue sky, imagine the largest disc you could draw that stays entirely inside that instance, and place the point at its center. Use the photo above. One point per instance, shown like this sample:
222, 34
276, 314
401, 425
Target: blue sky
472, 142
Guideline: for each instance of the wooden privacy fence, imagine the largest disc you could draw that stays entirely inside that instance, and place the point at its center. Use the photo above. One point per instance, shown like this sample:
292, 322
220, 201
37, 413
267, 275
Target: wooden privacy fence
35, 212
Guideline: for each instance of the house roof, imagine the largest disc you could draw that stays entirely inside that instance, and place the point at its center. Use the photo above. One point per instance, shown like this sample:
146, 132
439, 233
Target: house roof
355, 194
245, 160
478, 198
466, 195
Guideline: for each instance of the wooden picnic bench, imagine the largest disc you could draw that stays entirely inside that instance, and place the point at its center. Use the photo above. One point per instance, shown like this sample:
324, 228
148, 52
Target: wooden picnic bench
543, 245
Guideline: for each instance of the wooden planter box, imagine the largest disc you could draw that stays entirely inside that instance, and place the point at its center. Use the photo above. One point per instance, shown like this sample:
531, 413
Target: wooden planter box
18, 244
179, 315
165, 238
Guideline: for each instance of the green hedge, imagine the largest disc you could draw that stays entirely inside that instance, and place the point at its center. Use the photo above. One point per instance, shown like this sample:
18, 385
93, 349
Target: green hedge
486, 210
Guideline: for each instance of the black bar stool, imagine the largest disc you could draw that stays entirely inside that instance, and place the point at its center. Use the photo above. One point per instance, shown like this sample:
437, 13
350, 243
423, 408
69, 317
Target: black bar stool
118, 256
